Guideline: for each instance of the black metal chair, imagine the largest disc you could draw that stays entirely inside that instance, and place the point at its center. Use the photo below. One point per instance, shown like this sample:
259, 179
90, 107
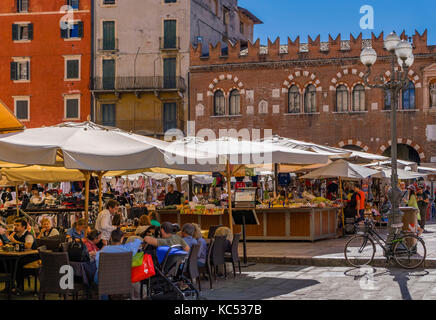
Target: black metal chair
218, 252
208, 267
212, 230
50, 277
192, 265
114, 274
7, 279
233, 256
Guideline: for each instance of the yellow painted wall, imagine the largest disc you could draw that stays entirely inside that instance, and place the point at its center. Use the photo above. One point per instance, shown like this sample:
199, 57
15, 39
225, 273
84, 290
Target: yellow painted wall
144, 114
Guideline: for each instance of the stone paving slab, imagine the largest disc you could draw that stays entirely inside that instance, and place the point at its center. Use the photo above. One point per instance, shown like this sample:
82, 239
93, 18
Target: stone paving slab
327, 253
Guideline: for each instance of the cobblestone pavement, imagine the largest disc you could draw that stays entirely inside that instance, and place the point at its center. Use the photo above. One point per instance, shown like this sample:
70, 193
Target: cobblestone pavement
330, 251
285, 282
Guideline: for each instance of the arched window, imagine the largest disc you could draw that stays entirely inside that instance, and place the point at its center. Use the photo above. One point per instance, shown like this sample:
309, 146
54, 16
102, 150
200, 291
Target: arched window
219, 105
234, 102
388, 99
263, 107
409, 96
294, 100
310, 99
341, 98
359, 98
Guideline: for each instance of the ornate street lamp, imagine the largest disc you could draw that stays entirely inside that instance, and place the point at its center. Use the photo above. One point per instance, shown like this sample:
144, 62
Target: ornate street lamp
401, 52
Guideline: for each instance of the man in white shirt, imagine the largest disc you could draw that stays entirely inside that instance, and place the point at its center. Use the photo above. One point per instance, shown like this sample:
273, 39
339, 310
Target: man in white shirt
104, 220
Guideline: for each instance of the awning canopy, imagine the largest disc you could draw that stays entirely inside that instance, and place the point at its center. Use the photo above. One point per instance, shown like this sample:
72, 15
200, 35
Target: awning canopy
8, 121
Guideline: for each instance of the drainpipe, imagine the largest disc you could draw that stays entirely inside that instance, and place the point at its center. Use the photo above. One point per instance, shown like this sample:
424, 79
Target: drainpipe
92, 60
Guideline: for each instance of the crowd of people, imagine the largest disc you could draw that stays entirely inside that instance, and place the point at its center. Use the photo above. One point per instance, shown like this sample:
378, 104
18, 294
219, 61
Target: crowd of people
107, 236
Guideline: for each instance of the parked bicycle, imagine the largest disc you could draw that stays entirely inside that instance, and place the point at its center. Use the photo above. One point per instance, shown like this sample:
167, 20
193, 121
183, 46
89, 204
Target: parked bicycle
407, 249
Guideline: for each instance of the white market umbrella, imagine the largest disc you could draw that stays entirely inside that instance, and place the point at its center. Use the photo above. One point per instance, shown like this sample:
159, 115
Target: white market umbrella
342, 169
87, 146
386, 172
243, 152
332, 152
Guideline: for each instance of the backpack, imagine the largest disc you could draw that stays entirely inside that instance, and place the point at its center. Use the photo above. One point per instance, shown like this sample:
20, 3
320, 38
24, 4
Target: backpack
78, 252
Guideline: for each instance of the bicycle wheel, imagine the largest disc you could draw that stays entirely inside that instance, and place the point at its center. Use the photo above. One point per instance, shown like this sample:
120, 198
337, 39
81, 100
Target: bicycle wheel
410, 252
359, 251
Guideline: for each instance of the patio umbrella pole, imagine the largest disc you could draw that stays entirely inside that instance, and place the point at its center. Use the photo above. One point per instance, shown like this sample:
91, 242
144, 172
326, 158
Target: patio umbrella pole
16, 198
100, 195
87, 175
342, 206
229, 195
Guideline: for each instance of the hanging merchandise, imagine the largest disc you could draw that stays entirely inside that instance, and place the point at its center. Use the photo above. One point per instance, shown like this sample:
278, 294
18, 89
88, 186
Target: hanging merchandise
284, 179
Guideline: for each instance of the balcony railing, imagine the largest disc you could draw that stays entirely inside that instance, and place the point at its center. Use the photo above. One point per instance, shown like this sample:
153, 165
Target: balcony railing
145, 127
105, 45
169, 43
138, 83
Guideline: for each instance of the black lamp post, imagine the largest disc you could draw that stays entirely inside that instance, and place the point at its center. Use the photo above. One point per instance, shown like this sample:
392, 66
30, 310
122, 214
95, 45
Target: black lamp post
401, 52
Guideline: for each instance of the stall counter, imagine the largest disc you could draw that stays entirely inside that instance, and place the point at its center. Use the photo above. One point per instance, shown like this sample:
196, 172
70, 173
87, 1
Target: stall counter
274, 223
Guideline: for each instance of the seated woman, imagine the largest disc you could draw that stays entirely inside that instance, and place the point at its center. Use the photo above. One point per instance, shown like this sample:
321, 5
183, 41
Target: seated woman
144, 223
77, 232
153, 219
226, 232
91, 241
202, 254
47, 230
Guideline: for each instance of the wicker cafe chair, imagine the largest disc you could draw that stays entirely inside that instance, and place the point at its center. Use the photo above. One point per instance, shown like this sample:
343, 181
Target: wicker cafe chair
50, 277
192, 265
208, 267
114, 274
233, 256
217, 257
7, 279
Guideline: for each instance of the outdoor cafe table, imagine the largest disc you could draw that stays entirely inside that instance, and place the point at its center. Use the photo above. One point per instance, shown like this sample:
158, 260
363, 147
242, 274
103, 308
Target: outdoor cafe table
14, 257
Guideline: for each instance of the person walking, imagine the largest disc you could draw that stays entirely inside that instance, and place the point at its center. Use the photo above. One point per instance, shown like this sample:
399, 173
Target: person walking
422, 199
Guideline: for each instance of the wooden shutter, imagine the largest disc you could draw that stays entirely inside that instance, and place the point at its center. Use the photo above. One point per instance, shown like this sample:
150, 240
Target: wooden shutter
15, 32
64, 33
170, 34
27, 70
170, 73
14, 71
30, 31
108, 35
80, 29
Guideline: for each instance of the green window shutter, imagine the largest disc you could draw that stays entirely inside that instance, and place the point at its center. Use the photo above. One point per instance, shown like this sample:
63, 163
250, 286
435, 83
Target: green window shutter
72, 111
169, 73
108, 74
80, 31
27, 70
170, 34
15, 32
108, 35
22, 110
30, 26
72, 69
14, 71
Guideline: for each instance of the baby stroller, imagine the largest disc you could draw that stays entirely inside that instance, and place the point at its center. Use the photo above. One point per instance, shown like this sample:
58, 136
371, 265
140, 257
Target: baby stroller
169, 282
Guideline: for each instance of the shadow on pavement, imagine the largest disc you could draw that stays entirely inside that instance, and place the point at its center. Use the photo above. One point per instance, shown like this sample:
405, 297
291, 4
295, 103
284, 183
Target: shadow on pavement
260, 288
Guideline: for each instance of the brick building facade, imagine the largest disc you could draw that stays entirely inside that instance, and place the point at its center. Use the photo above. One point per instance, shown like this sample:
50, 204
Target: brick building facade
315, 92
44, 70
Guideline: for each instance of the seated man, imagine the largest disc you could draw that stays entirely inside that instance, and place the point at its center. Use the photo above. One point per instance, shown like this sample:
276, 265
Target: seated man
168, 238
26, 240
116, 246
188, 231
